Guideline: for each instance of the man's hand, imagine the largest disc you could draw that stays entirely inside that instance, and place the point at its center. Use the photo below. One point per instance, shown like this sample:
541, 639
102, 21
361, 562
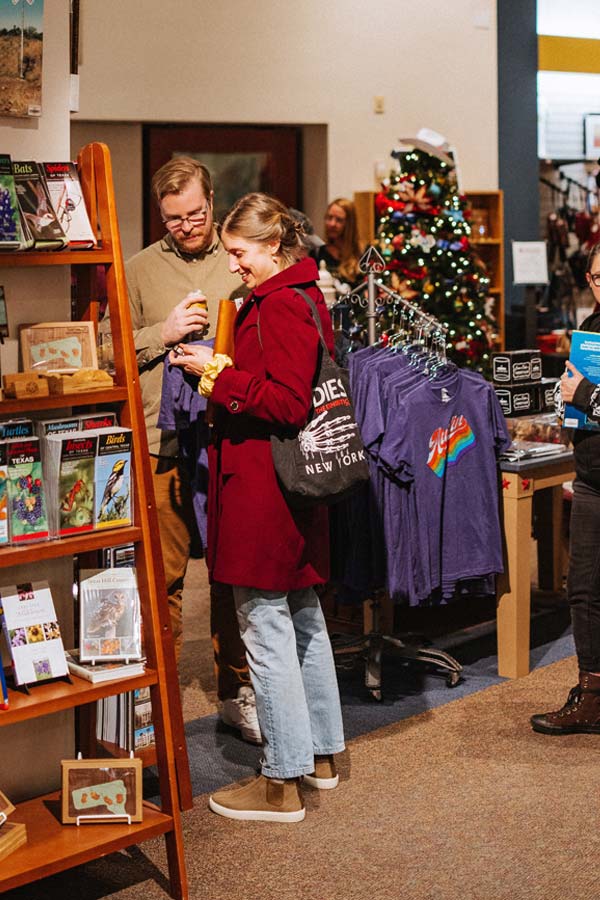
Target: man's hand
183, 320
570, 383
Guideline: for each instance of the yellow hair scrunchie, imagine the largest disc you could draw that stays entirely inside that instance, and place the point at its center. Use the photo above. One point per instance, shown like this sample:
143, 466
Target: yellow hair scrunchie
212, 370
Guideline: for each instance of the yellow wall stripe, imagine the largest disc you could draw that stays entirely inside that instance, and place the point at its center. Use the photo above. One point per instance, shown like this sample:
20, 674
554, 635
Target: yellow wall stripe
565, 54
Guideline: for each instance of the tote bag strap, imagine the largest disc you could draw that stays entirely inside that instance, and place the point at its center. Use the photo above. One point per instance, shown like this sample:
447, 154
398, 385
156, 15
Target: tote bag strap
315, 315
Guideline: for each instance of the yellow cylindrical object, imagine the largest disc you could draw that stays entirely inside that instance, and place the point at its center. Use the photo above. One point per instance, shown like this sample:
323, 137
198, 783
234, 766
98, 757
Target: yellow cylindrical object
224, 332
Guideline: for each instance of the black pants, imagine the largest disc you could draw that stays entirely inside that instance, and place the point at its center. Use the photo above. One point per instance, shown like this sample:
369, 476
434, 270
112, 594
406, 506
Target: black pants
583, 580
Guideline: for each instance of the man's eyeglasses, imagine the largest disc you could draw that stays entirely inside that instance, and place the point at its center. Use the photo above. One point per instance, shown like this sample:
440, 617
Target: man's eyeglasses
198, 217
595, 279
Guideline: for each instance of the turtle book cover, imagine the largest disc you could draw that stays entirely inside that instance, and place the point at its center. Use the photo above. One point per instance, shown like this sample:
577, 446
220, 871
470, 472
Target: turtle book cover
32, 632
113, 482
70, 463
110, 624
27, 511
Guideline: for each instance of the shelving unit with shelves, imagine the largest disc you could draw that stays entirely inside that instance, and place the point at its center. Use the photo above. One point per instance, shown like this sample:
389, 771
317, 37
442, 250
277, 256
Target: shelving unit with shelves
52, 847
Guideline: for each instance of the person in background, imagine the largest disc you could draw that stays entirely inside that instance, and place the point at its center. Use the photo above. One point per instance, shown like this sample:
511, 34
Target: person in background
341, 251
273, 555
166, 281
581, 712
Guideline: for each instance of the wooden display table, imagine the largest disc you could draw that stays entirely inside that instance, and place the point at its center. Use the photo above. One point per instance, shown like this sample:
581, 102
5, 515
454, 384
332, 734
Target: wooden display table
520, 481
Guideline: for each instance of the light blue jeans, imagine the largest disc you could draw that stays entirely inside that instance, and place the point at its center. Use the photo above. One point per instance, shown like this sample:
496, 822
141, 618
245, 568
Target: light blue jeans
293, 676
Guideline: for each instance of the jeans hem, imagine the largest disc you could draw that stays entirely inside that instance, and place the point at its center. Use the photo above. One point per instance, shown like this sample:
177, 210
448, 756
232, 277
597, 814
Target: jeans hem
338, 748
294, 773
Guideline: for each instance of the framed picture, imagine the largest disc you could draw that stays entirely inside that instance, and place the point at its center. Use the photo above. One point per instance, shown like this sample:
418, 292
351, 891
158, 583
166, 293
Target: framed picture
62, 347
591, 135
101, 788
240, 158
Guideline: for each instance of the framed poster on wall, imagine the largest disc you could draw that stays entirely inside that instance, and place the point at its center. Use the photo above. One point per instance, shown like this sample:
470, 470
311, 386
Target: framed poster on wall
591, 135
240, 158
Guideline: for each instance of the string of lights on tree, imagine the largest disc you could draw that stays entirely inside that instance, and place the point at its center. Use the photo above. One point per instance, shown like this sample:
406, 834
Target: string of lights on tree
423, 235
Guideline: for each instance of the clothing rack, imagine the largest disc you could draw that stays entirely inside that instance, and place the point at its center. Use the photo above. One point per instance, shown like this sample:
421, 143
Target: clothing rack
372, 644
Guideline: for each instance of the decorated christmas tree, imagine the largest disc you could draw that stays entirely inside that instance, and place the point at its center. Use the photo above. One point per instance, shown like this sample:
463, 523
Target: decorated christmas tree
423, 235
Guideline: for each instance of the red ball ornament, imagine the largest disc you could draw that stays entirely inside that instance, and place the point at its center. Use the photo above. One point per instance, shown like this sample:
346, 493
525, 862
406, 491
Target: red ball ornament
397, 241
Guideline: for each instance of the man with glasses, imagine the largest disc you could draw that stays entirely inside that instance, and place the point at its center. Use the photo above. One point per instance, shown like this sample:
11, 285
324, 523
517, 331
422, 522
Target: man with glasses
165, 281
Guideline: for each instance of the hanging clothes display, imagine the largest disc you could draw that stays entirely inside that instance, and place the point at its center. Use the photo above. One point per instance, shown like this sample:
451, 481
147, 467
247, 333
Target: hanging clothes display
433, 433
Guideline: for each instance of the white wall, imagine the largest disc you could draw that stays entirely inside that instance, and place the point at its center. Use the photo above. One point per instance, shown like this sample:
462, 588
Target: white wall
32, 296
306, 62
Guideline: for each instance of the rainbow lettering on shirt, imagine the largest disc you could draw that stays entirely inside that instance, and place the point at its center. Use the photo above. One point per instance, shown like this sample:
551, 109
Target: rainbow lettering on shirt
447, 445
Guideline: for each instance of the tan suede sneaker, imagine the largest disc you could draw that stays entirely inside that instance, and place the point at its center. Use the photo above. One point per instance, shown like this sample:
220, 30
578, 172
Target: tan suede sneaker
325, 776
262, 799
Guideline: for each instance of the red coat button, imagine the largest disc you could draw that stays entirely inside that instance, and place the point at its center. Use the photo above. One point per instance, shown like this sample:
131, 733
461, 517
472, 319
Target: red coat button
234, 405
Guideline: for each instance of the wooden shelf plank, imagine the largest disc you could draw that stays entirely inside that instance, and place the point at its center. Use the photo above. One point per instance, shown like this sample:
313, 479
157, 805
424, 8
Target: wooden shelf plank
84, 398
481, 242
15, 555
52, 847
25, 259
45, 699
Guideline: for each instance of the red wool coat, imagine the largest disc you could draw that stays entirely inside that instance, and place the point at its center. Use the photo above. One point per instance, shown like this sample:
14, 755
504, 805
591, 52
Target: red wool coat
254, 538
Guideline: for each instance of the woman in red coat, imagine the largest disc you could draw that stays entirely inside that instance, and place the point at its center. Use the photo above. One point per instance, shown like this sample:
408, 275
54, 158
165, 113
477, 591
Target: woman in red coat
272, 555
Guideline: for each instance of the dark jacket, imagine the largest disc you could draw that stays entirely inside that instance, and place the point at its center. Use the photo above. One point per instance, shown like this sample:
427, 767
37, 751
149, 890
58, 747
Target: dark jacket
254, 538
587, 443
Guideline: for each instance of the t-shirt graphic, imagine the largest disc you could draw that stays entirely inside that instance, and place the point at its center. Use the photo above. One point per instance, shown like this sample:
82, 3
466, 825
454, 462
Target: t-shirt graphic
447, 445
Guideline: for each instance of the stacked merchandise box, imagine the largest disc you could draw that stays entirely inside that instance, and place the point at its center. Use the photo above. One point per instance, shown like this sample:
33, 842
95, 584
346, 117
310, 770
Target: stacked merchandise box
517, 376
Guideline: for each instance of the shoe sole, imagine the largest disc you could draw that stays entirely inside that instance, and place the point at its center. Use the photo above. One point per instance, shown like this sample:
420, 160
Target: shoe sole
256, 815
251, 736
323, 784
576, 729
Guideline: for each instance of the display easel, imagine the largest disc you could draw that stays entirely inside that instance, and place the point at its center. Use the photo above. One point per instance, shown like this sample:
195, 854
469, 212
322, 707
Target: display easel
372, 643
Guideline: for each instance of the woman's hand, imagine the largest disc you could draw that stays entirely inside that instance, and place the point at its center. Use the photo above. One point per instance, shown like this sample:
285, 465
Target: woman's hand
570, 383
190, 358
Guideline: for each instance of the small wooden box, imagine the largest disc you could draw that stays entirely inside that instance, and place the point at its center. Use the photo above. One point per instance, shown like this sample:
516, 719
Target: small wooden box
25, 384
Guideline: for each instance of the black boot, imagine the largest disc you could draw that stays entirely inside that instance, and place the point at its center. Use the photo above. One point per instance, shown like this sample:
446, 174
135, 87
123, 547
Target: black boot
579, 715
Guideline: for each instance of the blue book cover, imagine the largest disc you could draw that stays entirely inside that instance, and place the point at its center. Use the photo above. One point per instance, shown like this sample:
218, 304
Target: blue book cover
585, 356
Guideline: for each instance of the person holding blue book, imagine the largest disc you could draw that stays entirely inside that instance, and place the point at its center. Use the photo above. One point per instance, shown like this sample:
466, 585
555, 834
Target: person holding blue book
581, 712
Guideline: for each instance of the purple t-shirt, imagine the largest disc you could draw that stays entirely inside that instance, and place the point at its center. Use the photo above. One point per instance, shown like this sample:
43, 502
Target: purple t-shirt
442, 442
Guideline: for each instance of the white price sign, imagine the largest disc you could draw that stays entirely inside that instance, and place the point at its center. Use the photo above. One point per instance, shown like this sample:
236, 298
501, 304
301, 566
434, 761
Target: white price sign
530, 262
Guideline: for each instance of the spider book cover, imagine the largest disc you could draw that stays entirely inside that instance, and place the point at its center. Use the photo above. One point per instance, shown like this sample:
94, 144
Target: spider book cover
67, 199
27, 512
110, 616
36, 207
69, 465
32, 632
113, 482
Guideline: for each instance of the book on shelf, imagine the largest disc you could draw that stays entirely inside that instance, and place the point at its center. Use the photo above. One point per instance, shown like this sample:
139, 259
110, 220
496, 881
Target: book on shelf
65, 192
103, 671
12, 836
4, 533
36, 207
113, 506
117, 557
69, 465
27, 511
16, 428
45, 427
32, 632
97, 420
11, 232
109, 616
126, 720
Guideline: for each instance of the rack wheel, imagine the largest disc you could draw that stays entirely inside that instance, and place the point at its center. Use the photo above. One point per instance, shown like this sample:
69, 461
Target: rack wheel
452, 679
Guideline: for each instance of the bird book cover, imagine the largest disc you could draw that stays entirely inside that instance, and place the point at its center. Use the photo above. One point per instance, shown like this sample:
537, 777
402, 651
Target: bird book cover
32, 632
27, 511
110, 626
69, 466
113, 481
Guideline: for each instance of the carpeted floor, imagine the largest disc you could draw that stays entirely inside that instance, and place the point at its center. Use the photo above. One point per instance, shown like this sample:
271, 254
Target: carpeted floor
444, 794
